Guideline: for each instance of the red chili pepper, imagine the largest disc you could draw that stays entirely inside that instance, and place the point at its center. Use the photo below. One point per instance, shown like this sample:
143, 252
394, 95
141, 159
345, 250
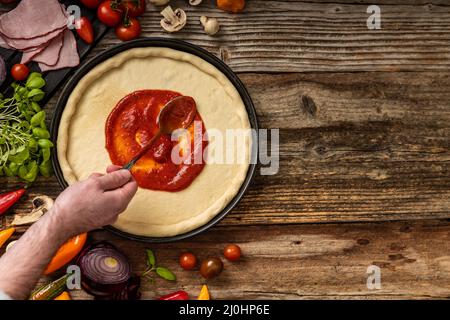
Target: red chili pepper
179, 295
8, 199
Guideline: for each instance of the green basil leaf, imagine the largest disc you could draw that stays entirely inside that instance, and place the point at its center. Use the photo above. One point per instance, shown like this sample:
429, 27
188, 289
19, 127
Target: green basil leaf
41, 133
34, 75
35, 83
37, 118
45, 168
45, 154
45, 143
23, 171
33, 170
14, 167
35, 106
36, 95
151, 260
20, 157
32, 144
165, 274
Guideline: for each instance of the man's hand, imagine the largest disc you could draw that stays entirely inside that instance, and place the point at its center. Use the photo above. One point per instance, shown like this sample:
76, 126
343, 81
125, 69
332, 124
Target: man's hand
95, 202
82, 207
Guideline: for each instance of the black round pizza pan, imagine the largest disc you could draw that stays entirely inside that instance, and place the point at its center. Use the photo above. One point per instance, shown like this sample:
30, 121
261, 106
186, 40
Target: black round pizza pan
180, 46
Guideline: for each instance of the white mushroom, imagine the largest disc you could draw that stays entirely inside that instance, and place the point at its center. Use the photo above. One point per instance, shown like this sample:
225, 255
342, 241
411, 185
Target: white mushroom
159, 2
210, 25
41, 204
195, 2
173, 20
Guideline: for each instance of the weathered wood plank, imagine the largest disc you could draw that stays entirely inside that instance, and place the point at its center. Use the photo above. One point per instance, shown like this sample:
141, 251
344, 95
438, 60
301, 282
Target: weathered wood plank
320, 35
375, 147
311, 36
308, 261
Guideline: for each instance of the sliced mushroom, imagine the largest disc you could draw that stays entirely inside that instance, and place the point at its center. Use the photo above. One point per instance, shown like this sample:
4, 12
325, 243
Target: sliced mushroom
41, 204
210, 25
159, 2
195, 2
173, 20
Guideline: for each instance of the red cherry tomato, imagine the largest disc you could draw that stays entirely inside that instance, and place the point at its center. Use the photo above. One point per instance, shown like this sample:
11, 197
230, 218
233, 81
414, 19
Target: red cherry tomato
135, 8
232, 252
188, 261
129, 30
85, 30
91, 4
109, 13
20, 71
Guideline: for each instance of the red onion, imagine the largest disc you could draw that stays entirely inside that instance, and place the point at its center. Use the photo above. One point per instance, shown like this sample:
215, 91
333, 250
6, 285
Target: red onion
106, 273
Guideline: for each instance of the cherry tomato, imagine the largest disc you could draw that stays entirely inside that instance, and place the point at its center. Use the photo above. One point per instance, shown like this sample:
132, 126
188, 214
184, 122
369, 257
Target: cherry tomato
20, 71
135, 8
211, 268
109, 13
91, 4
129, 30
188, 261
85, 30
232, 252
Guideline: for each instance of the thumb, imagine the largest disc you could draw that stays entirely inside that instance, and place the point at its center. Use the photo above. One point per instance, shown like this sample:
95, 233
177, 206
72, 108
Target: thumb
115, 179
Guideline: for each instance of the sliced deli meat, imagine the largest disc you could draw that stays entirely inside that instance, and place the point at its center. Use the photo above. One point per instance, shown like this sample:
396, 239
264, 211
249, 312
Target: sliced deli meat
27, 44
68, 55
38, 28
33, 19
47, 54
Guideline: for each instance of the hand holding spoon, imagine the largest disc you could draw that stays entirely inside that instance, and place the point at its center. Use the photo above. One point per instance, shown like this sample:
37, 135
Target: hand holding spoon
178, 113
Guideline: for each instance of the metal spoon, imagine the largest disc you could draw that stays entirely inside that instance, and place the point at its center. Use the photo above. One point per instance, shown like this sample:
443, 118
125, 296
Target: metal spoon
176, 114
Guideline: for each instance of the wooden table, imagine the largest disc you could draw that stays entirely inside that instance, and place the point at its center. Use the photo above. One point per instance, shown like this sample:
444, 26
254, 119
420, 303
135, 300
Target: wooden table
364, 119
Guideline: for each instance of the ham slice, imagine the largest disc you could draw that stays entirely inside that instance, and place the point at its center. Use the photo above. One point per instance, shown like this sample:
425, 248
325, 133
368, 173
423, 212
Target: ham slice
27, 44
38, 28
46, 54
33, 19
68, 55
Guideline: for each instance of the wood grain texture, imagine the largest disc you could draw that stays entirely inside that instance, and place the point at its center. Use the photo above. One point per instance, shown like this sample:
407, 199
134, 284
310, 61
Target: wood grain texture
312, 36
353, 147
308, 261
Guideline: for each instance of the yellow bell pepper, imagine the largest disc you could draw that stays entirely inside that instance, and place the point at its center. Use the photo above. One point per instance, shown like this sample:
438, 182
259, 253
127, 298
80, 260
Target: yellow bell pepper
5, 235
63, 296
204, 293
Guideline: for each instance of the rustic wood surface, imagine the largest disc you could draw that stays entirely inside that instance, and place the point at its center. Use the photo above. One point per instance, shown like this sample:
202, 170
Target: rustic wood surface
364, 119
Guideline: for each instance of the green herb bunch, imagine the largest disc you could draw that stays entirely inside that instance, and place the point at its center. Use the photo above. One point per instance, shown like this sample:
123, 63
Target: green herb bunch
25, 148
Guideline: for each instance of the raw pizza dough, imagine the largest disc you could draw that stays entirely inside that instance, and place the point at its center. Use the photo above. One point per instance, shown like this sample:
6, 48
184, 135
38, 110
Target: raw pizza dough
81, 137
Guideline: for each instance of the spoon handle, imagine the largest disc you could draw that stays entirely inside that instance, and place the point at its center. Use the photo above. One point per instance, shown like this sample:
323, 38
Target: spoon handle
143, 151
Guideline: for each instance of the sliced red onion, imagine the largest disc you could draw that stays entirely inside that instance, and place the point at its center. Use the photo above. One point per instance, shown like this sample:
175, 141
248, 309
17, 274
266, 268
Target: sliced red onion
105, 271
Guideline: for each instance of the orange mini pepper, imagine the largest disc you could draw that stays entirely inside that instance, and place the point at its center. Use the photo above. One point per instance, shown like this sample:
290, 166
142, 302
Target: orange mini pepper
5, 235
204, 293
63, 296
234, 6
67, 252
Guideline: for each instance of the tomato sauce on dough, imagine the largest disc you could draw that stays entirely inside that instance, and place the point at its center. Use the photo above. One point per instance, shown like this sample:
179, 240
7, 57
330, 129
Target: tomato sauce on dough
129, 127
